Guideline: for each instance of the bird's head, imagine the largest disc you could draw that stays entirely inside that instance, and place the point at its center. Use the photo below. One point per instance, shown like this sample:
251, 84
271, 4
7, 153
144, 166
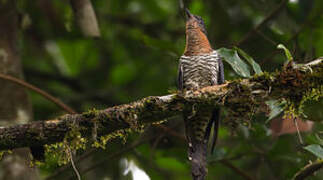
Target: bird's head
194, 22
196, 36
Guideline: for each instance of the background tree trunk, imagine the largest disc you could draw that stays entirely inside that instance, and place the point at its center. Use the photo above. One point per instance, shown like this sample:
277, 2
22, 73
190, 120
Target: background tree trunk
15, 107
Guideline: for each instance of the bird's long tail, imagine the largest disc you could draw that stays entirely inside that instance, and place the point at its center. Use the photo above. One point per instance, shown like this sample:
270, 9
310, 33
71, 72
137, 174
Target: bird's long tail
215, 123
198, 130
197, 155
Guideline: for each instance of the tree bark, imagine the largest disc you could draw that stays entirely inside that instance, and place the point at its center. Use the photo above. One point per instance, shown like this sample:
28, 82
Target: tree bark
308, 170
15, 107
241, 98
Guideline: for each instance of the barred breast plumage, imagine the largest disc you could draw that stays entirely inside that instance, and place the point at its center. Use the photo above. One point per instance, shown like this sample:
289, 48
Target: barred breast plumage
196, 72
199, 66
199, 71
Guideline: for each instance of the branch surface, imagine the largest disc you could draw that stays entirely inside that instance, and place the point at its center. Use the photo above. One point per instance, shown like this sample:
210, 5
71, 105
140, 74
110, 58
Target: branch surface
240, 98
308, 170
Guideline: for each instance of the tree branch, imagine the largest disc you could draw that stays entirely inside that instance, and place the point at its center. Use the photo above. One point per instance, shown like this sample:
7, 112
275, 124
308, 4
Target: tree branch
24, 84
237, 170
308, 170
240, 97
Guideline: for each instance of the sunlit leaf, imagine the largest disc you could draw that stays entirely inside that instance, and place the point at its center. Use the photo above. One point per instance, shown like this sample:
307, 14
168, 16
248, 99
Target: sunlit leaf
275, 108
315, 149
287, 52
251, 61
231, 57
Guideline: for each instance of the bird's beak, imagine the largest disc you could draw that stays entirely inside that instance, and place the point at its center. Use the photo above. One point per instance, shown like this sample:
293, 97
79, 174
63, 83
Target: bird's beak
188, 14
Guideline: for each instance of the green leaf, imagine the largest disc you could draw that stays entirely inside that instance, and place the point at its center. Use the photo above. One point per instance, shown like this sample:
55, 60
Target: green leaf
231, 57
275, 108
251, 61
319, 139
287, 52
315, 149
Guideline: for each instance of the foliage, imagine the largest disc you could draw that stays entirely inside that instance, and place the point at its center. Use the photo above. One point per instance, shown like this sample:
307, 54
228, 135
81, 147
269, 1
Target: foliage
286, 51
137, 56
316, 149
231, 57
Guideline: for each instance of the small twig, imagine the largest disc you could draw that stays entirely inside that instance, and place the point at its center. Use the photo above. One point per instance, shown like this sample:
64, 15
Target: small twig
308, 170
153, 147
237, 170
270, 16
92, 151
298, 133
266, 38
72, 162
116, 154
95, 131
61, 169
73, 83
39, 91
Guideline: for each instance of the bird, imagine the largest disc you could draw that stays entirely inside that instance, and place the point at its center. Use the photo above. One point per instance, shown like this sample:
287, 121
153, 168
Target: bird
199, 66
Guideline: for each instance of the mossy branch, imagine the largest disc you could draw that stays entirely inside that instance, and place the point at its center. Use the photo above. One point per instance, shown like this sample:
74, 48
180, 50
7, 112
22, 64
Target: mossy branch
308, 170
240, 97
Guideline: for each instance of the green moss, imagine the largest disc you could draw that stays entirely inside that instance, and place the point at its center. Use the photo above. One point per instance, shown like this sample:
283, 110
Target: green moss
73, 141
102, 142
2, 153
265, 77
159, 122
311, 89
91, 113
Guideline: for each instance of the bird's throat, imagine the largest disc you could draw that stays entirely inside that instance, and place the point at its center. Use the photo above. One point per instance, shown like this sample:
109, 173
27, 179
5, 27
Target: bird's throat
196, 43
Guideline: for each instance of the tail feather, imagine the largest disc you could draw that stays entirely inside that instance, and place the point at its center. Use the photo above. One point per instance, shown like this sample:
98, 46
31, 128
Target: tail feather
216, 123
197, 150
197, 155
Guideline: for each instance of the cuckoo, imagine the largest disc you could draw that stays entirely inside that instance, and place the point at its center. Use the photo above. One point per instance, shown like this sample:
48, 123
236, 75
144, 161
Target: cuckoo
200, 66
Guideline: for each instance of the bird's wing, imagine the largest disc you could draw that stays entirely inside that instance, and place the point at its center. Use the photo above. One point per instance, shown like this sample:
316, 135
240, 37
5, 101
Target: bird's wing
221, 71
215, 119
180, 76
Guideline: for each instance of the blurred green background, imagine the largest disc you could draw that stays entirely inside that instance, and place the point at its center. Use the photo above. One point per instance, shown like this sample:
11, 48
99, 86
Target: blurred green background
137, 56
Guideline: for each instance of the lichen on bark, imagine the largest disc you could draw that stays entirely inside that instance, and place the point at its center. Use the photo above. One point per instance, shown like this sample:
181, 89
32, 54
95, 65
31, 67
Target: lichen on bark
241, 98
